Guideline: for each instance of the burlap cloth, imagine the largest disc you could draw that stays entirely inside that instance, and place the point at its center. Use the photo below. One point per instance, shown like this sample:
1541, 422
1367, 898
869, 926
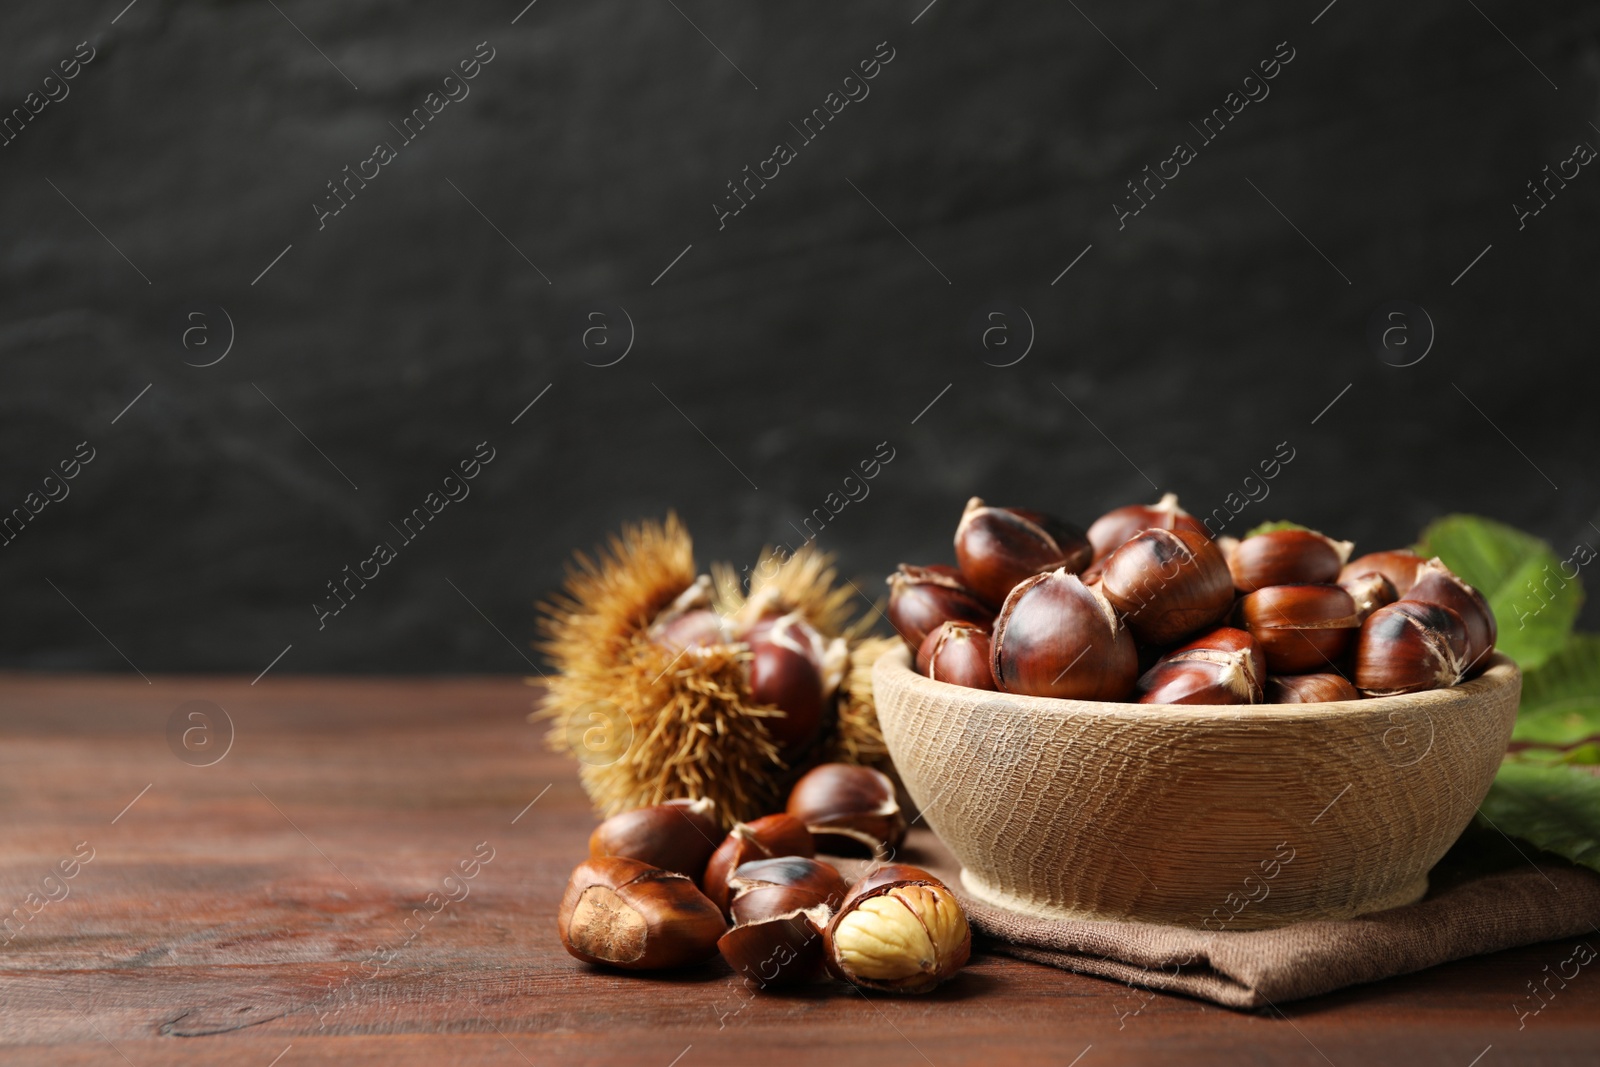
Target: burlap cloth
1485, 896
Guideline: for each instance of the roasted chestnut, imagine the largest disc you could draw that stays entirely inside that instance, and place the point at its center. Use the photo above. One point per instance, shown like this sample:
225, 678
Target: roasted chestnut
759, 839
1224, 666
1056, 637
845, 805
1287, 557
679, 835
1167, 584
998, 547
923, 598
1309, 689
900, 930
1109, 531
1301, 628
958, 653
1437, 584
629, 914
1410, 646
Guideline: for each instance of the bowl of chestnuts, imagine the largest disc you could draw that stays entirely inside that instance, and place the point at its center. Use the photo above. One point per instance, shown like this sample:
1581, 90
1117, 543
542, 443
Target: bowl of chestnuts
1140, 721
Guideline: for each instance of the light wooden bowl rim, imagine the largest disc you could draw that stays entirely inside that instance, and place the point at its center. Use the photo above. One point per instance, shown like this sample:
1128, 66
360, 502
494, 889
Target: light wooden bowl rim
1501, 673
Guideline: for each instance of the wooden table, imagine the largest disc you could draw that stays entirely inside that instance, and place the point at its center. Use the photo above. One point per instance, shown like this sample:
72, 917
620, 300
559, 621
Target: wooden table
273, 908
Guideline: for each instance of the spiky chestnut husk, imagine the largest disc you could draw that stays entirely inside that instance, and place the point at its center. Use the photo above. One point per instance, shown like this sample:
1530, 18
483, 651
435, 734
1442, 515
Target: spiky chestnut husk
859, 737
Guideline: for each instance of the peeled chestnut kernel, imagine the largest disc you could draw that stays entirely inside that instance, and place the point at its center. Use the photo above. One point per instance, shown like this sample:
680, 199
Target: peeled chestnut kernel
629, 914
1301, 628
923, 598
1056, 637
1109, 531
759, 839
900, 930
1287, 557
786, 673
958, 653
998, 547
1438, 584
781, 951
1167, 584
1397, 565
843, 805
1223, 667
763, 889
1410, 646
1370, 591
1309, 689
679, 835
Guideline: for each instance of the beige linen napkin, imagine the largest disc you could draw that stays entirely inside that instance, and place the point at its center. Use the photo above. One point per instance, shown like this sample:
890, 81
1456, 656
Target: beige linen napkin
1485, 897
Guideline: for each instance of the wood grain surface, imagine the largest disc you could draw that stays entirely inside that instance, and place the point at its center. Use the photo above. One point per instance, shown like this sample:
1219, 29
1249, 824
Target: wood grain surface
274, 908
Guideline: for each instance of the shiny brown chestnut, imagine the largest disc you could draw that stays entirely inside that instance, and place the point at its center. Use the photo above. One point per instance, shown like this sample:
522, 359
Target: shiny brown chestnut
922, 598
998, 547
1167, 584
1408, 647
758, 839
679, 835
1309, 689
629, 914
1370, 591
786, 674
1438, 584
1056, 637
1397, 565
900, 930
1224, 666
1109, 531
766, 888
780, 951
958, 653
844, 806
1301, 628
1287, 557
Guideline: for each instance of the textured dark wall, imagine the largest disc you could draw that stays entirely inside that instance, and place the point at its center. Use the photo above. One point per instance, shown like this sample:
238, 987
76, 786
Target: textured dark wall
823, 319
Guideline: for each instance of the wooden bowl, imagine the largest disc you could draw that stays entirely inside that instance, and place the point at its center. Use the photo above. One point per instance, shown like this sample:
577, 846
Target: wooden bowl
1236, 818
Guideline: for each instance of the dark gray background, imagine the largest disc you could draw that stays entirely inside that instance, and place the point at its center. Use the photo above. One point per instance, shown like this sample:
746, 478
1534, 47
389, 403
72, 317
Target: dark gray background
797, 338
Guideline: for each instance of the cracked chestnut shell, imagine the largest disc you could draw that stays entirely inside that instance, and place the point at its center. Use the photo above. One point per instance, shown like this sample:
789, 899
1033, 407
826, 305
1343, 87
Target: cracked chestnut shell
1167, 584
629, 914
1224, 666
759, 839
1370, 591
958, 653
679, 835
1287, 557
846, 806
998, 547
921, 599
1438, 584
1408, 647
1056, 637
1397, 565
900, 930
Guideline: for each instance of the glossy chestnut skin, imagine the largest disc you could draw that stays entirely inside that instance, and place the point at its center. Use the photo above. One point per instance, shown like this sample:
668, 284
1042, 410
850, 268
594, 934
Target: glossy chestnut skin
1437, 584
786, 673
998, 547
1224, 666
628, 914
1167, 584
1397, 565
1408, 647
1286, 557
900, 930
1301, 628
1111, 530
847, 807
1056, 637
923, 598
1370, 591
765, 889
958, 653
778, 952
679, 835
1309, 689
758, 839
